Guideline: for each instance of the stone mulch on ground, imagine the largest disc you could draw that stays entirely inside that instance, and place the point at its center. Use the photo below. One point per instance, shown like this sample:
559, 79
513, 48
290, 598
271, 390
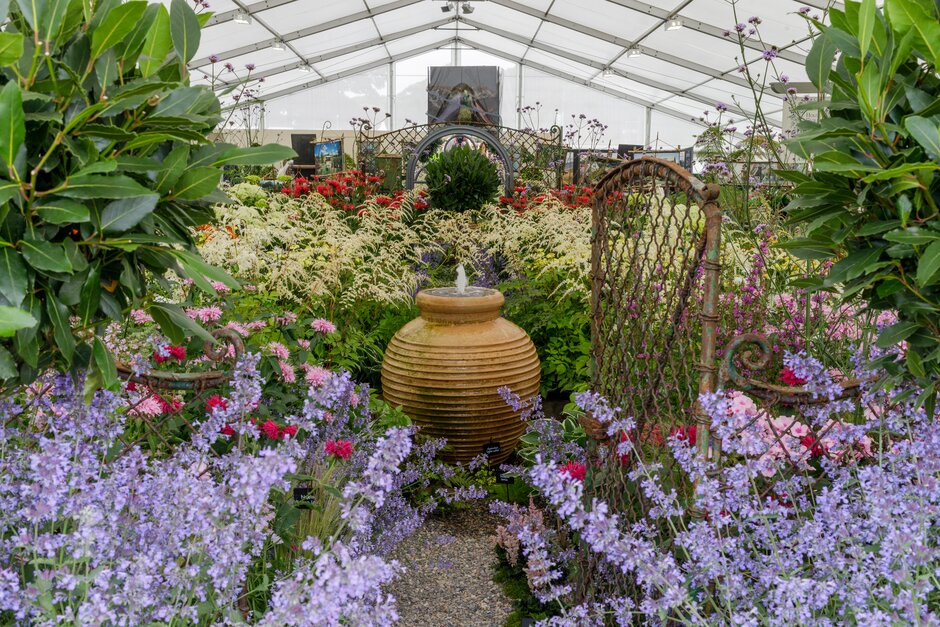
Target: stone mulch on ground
448, 579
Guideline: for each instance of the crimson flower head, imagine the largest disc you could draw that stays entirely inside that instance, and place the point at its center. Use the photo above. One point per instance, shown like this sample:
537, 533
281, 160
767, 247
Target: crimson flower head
215, 401
270, 429
574, 470
341, 449
227, 430
289, 430
788, 377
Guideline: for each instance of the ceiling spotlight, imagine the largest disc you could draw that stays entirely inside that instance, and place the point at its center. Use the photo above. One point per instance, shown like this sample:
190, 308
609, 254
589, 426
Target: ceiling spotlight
305, 68
241, 17
607, 72
674, 24
279, 45
634, 52
446, 8
466, 8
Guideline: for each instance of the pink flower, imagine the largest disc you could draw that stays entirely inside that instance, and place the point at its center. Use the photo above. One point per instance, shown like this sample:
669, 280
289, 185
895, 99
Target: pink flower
220, 287
289, 317
256, 325
574, 470
304, 344
288, 431
278, 350
324, 326
315, 375
208, 314
341, 449
140, 316
149, 406
287, 372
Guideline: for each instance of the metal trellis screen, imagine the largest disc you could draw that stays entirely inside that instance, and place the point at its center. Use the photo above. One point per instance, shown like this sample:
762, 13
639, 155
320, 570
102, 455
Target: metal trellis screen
536, 158
655, 272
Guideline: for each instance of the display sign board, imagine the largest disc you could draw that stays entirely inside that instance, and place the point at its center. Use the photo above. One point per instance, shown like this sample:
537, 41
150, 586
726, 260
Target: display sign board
328, 156
303, 143
464, 95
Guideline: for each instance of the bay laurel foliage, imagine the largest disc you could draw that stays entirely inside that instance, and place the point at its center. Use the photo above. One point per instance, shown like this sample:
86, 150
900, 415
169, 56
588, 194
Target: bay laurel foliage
461, 179
105, 167
871, 199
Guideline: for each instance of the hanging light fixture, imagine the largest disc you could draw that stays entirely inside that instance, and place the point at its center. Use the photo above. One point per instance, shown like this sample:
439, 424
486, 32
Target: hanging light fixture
279, 45
241, 17
305, 68
634, 52
674, 24
607, 72
446, 8
466, 8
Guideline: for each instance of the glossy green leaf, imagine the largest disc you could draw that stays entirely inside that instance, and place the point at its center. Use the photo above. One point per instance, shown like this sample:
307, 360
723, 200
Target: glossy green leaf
902, 170
910, 15
196, 183
116, 26
62, 211
896, 333
13, 319
44, 255
926, 133
61, 331
928, 268
104, 360
11, 48
13, 277
124, 214
157, 45
913, 235
100, 186
856, 264
866, 25
12, 123
819, 61
173, 166
184, 30
98, 167
175, 324
90, 297
7, 365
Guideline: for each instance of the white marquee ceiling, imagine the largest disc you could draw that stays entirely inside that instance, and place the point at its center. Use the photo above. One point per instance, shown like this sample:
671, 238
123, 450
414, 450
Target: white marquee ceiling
584, 41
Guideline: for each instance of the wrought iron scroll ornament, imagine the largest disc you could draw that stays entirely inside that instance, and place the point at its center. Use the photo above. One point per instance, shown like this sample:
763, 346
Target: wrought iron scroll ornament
229, 345
754, 353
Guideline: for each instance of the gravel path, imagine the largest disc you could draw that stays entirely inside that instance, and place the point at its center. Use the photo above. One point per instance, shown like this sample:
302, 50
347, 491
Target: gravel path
448, 581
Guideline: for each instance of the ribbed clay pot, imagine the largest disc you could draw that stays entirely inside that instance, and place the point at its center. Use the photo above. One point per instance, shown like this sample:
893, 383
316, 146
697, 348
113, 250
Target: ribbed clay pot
445, 366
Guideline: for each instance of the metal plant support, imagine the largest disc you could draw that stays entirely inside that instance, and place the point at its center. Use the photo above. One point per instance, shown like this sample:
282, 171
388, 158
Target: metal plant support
655, 281
162, 384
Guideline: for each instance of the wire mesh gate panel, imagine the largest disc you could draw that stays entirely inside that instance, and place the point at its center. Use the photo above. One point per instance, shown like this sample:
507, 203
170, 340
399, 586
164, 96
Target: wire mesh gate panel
654, 293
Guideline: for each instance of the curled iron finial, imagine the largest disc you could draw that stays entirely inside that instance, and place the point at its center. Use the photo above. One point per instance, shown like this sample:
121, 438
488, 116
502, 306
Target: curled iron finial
227, 338
756, 358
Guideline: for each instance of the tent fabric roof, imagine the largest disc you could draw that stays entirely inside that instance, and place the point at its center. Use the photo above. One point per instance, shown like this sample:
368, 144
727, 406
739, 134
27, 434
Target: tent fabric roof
583, 41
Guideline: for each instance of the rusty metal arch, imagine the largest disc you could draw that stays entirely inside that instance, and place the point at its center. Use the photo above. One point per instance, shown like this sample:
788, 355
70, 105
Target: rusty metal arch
461, 129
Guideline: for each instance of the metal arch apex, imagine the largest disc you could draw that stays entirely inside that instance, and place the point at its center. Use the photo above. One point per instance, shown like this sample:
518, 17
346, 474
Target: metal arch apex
460, 129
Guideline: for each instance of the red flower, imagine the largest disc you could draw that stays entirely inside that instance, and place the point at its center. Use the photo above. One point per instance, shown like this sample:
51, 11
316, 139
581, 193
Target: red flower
574, 470
341, 449
270, 429
684, 433
168, 407
215, 401
788, 377
131, 386
289, 430
816, 450
227, 430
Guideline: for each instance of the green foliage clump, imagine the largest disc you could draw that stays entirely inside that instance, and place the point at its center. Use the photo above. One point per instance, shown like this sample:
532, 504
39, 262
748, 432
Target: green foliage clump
105, 168
461, 179
872, 198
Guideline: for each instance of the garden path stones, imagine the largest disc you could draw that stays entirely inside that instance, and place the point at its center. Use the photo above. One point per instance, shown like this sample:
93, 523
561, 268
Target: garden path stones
448, 581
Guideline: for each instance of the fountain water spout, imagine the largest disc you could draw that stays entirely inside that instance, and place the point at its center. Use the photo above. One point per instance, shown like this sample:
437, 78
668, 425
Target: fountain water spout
461, 280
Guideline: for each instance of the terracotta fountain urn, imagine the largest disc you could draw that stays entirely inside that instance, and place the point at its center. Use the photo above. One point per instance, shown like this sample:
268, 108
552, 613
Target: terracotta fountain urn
444, 367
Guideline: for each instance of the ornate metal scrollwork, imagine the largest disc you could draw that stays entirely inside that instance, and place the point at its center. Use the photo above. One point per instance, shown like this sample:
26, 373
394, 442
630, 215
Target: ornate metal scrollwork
229, 346
754, 353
